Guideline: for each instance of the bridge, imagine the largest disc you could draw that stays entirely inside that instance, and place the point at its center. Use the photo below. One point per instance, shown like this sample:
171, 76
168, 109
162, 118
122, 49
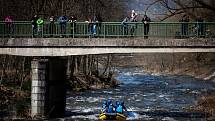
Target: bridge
54, 43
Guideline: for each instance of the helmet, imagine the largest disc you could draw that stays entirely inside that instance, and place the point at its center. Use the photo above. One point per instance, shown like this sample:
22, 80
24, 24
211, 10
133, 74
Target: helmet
117, 103
105, 102
122, 103
109, 101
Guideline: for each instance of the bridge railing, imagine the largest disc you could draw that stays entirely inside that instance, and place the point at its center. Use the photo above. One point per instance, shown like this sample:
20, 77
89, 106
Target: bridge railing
108, 30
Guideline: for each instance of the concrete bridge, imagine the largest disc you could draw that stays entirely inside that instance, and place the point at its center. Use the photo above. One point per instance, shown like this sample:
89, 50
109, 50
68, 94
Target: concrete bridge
49, 75
83, 46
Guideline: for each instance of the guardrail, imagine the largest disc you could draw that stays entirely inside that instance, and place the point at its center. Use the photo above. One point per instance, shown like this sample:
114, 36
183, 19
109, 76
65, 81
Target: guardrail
108, 30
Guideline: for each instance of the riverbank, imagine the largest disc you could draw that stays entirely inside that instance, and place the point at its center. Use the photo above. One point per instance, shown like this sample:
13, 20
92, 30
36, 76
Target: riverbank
86, 82
14, 102
197, 65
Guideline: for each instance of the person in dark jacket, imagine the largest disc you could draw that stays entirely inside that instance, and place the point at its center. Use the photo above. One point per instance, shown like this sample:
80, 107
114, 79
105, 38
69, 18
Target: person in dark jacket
124, 24
146, 20
184, 26
34, 24
99, 23
63, 23
52, 26
94, 25
72, 21
200, 27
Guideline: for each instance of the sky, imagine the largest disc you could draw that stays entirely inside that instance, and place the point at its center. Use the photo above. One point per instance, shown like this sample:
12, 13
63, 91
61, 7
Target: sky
140, 6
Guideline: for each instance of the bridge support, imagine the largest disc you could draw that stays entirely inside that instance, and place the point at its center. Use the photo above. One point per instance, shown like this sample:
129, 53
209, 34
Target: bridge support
48, 96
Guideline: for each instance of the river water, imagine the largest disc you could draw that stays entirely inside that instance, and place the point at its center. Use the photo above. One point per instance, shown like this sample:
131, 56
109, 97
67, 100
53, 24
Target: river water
150, 97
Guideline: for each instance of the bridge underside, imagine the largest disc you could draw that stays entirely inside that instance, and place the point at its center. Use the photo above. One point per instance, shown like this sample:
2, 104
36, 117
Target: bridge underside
84, 51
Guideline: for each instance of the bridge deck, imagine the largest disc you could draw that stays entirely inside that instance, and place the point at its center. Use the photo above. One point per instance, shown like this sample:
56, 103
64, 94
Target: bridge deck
83, 46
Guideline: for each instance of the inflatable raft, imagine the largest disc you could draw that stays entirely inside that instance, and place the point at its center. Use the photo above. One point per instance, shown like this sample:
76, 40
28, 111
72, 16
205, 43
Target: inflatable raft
112, 116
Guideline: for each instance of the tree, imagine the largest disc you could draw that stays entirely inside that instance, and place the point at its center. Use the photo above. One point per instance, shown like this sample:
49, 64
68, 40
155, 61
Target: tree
25, 9
193, 8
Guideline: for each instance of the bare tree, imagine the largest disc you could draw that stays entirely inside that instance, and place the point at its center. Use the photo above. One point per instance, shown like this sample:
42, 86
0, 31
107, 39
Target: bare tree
193, 8
25, 9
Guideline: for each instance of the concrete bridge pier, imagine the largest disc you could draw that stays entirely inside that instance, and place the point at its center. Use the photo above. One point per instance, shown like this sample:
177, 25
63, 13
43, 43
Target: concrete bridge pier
48, 95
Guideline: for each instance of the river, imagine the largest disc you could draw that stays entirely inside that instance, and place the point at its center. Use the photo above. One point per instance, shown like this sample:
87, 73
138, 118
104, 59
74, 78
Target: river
150, 97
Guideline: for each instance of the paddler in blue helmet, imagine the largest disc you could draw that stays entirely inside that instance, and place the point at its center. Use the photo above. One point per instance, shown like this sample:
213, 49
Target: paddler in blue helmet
120, 107
104, 106
110, 106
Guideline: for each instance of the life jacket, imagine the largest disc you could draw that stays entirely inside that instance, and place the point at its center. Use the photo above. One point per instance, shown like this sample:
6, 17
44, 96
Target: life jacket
119, 109
110, 108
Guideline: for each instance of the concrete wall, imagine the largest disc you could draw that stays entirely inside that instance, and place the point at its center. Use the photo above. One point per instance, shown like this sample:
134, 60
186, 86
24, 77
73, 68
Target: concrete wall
48, 95
92, 42
38, 89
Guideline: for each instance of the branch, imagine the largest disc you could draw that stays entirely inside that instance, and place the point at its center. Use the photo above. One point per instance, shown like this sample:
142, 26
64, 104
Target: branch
205, 5
151, 4
173, 14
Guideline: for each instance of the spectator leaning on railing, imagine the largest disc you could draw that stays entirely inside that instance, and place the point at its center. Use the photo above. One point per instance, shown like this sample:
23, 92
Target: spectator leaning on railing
124, 24
146, 21
133, 19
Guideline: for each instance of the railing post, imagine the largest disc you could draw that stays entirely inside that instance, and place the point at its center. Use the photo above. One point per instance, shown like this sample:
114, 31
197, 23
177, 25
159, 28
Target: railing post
42, 30
166, 24
104, 29
73, 30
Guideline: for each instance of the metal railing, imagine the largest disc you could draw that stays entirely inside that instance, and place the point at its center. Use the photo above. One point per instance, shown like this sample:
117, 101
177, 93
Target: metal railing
108, 30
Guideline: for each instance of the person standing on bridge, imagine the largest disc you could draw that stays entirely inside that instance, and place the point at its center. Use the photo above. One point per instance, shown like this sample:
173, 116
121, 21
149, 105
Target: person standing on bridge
125, 25
8, 25
40, 23
146, 21
133, 19
99, 23
184, 26
52, 26
90, 25
34, 25
63, 23
200, 26
72, 21
94, 25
